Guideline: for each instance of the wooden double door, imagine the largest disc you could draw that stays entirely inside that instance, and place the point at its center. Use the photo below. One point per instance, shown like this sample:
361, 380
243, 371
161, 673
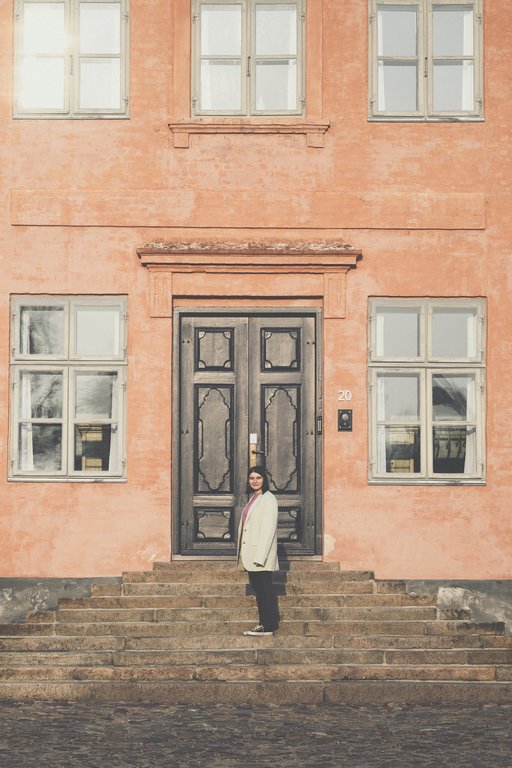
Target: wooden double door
248, 394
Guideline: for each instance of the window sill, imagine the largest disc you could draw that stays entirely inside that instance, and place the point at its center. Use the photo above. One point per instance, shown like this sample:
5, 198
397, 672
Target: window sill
54, 116
424, 481
32, 479
412, 119
182, 130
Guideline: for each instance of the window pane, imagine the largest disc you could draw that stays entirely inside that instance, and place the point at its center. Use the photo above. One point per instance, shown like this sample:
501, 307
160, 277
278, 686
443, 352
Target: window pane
40, 447
398, 449
397, 86
454, 333
221, 85
452, 30
97, 332
100, 28
40, 395
42, 83
398, 333
397, 30
43, 28
453, 398
276, 29
398, 398
42, 331
276, 85
94, 394
453, 86
221, 30
95, 448
100, 84
454, 450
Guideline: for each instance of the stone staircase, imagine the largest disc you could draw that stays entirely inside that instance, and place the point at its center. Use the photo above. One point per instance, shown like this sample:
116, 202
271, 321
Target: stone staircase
174, 635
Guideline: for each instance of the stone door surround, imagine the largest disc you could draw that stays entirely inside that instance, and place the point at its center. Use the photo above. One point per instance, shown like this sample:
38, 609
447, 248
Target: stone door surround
245, 270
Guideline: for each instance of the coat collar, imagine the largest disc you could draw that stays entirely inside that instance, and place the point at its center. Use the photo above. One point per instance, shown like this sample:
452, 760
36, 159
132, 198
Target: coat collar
254, 504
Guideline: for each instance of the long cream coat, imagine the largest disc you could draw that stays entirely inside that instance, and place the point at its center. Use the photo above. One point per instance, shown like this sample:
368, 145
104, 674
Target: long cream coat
257, 541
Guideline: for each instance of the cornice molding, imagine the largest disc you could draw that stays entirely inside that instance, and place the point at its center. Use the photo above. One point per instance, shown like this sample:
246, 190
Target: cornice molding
182, 129
317, 256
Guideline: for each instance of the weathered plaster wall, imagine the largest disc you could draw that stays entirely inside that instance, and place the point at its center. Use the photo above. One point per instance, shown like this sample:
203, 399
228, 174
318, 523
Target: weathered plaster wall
428, 204
20, 597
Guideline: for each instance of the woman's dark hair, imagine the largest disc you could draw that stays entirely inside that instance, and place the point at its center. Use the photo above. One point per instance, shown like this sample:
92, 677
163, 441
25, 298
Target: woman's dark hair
259, 471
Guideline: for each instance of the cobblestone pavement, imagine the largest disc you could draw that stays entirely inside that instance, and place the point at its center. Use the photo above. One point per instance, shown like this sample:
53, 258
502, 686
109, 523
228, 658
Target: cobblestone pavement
44, 734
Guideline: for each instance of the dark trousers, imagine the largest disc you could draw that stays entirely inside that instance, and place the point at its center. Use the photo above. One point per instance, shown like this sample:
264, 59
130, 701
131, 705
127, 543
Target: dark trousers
261, 582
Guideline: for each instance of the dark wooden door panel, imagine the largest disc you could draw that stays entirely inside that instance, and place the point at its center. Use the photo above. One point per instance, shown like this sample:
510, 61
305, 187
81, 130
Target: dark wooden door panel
242, 376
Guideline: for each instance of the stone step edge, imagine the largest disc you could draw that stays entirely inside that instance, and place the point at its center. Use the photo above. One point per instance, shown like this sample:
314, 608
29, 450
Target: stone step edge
258, 692
259, 657
307, 626
285, 673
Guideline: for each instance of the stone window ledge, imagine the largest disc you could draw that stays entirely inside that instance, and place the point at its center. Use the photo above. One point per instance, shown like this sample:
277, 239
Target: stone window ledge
313, 131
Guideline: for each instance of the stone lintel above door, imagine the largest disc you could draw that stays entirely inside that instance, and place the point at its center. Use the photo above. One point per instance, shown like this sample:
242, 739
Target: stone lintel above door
208, 269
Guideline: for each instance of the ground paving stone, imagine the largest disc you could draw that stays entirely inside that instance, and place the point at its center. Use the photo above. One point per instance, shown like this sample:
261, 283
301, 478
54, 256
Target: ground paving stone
59, 735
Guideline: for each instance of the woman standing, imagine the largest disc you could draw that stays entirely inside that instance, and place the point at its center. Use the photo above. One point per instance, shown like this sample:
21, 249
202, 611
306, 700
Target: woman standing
257, 549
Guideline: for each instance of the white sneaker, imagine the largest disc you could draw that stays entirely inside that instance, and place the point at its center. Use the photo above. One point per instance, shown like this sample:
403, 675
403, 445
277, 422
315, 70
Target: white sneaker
258, 631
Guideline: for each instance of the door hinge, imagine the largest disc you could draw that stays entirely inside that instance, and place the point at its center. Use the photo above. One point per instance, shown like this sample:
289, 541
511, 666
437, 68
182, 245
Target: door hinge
319, 425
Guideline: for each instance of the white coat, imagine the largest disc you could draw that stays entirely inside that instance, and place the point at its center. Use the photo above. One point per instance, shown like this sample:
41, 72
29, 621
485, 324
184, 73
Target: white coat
257, 539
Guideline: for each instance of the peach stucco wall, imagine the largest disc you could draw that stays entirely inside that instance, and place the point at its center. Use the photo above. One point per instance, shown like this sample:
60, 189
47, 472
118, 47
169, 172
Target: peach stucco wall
427, 204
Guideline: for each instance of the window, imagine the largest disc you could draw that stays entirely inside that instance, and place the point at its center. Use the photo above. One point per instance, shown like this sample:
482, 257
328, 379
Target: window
71, 58
68, 362
426, 378
426, 59
248, 58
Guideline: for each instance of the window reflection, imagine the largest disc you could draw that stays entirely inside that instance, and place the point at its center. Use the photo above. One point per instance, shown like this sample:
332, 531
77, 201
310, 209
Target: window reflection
454, 450
399, 449
94, 447
42, 331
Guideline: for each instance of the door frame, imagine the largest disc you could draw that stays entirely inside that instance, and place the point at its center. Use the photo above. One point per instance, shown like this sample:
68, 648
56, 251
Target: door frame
245, 311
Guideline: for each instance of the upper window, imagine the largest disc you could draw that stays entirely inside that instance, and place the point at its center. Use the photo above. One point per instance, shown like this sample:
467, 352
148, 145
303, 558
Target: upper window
71, 58
426, 59
426, 378
248, 57
68, 361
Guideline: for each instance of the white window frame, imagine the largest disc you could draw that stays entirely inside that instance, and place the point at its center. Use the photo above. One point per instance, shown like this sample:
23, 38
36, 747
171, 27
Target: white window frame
425, 367
69, 364
425, 61
72, 57
248, 59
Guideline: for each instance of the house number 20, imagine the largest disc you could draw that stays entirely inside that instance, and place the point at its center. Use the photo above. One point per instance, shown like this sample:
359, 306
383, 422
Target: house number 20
345, 395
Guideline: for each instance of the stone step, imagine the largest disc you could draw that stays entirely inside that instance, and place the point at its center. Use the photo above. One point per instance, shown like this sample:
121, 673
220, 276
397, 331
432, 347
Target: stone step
230, 575
273, 656
310, 627
212, 589
230, 565
243, 601
370, 614
256, 692
57, 658
258, 656
99, 642
377, 642
251, 672
47, 643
